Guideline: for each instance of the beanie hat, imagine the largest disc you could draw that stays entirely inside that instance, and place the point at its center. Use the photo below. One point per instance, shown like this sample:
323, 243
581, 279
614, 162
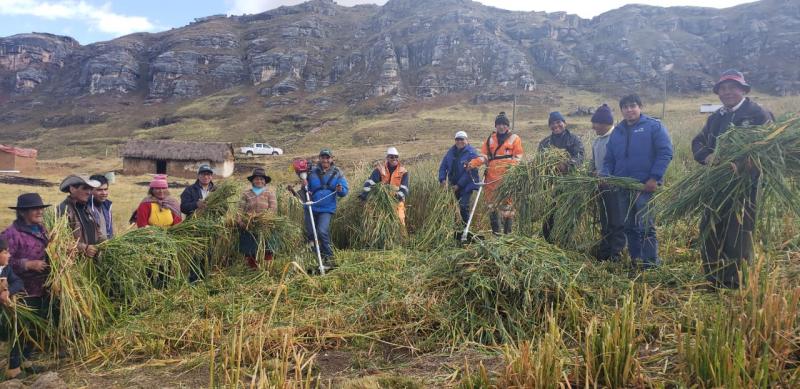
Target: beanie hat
555, 116
502, 119
159, 182
603, 115
461, 135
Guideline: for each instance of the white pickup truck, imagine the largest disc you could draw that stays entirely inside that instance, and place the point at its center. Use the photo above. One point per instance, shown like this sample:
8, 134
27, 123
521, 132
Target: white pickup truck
260, 149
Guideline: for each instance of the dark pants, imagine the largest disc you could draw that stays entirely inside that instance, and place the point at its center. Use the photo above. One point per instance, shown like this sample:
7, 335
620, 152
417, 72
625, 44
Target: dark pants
22, 348
323, 224
464, 204
611, 212
728, 241
640, 229
547, 227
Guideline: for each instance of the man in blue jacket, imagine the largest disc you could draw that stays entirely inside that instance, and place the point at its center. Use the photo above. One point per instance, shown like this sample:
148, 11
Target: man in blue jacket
640, 148
325, 182
453, 171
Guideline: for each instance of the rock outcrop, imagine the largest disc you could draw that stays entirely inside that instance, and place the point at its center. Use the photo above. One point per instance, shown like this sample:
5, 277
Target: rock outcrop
417, 49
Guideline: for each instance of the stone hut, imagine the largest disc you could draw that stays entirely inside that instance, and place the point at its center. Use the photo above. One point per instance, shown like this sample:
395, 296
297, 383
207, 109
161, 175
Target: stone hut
176, 158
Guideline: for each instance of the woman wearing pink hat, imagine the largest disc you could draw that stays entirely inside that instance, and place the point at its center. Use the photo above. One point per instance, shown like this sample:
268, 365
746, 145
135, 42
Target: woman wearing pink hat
158, 208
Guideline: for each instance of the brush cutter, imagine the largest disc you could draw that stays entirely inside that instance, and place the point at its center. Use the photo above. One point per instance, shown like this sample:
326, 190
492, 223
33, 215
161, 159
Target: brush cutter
301, 168
465, 234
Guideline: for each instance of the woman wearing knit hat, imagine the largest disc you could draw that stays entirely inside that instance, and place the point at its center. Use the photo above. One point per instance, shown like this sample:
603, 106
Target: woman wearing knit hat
158, 208
499, 152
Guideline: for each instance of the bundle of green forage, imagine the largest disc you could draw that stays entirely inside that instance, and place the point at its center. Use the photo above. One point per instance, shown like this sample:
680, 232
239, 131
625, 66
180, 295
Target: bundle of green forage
372, 224
530, 186
78, 301
765, 157
275, 233
133, 263
499, 287
431, 211
221, 208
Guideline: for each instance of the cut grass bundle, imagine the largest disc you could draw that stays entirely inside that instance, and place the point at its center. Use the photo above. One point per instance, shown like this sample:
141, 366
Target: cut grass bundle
81, 306
22, 323
432, 212
372, 224
222, 207
773, 150
130, 263
530, 186
223, 200
498, 288
275, 233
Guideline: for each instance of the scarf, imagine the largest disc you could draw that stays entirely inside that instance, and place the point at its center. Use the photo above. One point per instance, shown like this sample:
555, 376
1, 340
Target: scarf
169, 203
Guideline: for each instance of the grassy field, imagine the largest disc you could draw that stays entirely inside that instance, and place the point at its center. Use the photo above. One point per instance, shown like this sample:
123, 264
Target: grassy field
511, 313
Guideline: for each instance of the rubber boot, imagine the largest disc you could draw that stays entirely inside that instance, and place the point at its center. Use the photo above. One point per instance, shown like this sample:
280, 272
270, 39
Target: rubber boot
495, 222
251, 262
507, 223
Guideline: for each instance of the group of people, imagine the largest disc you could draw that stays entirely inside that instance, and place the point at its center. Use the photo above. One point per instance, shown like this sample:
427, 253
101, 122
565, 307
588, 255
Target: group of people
637, 147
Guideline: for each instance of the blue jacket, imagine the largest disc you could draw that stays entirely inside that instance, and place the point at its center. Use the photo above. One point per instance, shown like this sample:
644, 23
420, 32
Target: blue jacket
15, 284
322, 185
641, 151
452, 168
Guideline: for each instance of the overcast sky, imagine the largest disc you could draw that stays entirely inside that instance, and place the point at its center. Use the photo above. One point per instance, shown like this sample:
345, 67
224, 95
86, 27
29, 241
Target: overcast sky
97, 20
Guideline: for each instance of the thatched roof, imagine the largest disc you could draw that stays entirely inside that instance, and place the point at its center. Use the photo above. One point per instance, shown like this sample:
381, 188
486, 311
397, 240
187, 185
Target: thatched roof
177, 150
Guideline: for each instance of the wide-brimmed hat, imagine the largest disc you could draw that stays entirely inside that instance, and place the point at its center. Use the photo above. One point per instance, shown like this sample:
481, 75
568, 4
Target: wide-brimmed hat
77, 179
735, 76
259, 172
30, 201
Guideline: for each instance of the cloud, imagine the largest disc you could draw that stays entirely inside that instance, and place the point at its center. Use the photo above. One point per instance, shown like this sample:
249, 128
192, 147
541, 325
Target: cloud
238, 7
101, 18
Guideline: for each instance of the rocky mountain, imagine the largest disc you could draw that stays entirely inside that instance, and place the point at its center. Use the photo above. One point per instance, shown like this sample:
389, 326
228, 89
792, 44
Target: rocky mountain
417, 48
324, 55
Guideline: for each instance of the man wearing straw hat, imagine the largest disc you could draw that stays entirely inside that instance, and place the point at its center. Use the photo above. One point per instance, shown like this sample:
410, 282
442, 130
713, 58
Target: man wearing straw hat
499, 152
728, 238
453, 171
81, 218
394, 174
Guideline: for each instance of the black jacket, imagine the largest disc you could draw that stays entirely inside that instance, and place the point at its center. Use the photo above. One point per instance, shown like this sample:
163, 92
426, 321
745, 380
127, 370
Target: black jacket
15, 284
191, 195
566, 141
748, 114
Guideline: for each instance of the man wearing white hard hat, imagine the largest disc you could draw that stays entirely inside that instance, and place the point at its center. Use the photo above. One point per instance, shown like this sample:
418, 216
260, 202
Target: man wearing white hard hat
453, 172
390, 173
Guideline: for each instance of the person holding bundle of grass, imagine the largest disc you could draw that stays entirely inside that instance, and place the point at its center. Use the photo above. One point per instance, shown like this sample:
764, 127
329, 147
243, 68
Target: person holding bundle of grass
76, 206
394, 174
728, 236
610, 212
639, 148
27, 241
158, 208
561, 138
256, 200
499, 152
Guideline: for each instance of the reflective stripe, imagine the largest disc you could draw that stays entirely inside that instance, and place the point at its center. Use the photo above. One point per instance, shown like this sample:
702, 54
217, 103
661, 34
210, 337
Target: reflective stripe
369, 182
401, 194
367, 188
404, 187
